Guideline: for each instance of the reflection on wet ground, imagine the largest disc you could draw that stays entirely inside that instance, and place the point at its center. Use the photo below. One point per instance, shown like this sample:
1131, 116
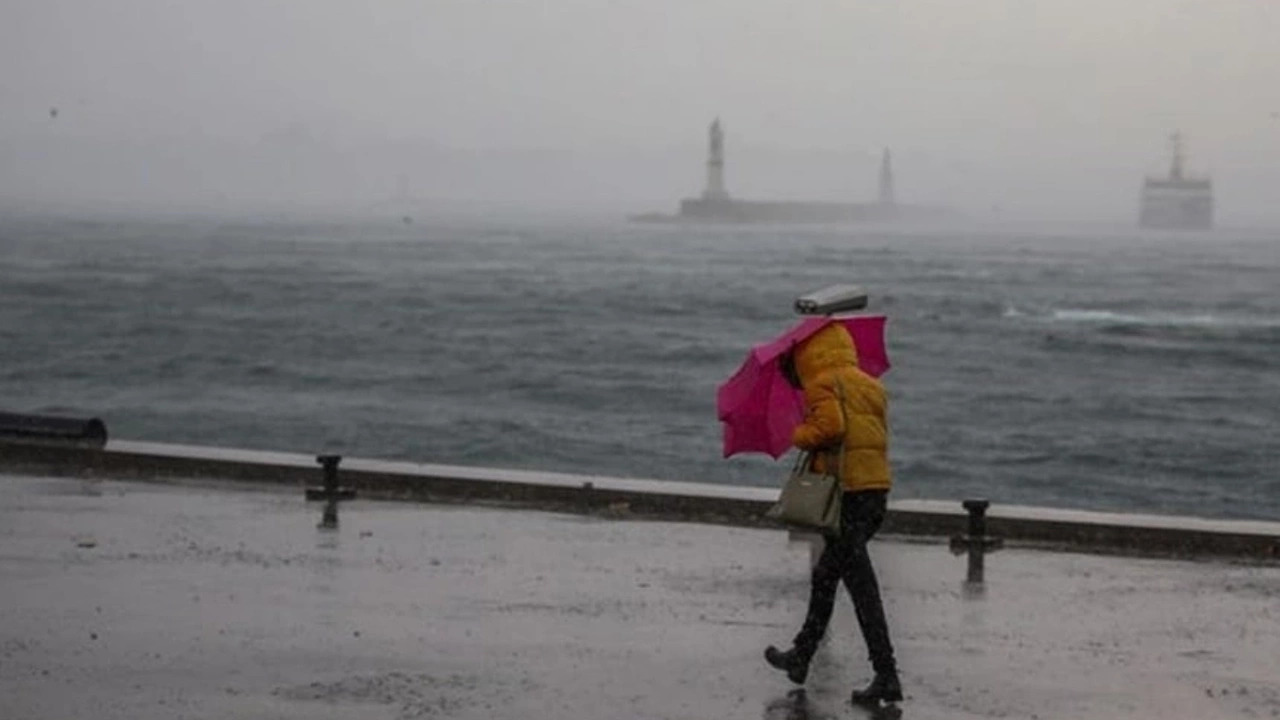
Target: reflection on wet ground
153, 601
795, 705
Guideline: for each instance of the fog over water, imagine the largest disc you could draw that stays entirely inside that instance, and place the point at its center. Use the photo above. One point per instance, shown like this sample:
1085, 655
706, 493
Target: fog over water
1005, 109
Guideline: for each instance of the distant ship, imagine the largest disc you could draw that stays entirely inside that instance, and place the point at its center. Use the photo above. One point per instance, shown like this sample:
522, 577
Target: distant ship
1177, 202
715, 205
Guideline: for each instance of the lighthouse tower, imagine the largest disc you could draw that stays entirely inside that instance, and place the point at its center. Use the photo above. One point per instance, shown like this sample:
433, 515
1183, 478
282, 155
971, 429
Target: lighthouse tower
1175, 165
715, 165
1179, 201
886, 179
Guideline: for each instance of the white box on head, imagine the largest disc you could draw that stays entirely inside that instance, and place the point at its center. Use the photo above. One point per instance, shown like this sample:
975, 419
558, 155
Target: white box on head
832, 299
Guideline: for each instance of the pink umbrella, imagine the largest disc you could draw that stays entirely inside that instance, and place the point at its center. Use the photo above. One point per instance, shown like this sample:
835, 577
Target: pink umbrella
759, 408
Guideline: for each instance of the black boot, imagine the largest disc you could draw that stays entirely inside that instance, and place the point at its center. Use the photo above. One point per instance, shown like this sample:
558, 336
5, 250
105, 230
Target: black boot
884, 687
794, 662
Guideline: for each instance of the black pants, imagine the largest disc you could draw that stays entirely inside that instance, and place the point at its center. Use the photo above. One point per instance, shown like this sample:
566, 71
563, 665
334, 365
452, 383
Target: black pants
845, 558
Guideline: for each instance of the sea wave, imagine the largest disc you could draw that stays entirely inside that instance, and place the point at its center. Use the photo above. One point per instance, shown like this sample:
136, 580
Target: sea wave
1165, 319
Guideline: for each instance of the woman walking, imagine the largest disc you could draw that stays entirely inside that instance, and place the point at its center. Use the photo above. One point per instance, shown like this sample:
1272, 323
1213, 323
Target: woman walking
846, 414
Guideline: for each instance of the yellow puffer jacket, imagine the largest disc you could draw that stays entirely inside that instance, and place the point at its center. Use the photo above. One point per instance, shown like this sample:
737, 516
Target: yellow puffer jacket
827, 364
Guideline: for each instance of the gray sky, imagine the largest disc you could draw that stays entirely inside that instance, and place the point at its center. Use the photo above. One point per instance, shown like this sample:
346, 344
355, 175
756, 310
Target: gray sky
1050, 108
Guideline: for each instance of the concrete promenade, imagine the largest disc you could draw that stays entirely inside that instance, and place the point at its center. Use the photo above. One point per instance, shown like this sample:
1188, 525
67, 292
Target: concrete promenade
190, 600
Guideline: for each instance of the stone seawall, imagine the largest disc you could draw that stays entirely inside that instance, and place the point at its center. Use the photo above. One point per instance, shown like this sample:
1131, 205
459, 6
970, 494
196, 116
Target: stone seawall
1129, 534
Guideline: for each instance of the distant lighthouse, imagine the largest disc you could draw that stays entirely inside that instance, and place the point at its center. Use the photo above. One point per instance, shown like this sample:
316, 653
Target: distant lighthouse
886, 179
1177, 202
715, 165
714, 205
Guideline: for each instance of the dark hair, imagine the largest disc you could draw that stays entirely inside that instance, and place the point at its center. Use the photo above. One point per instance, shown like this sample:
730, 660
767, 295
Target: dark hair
788, 365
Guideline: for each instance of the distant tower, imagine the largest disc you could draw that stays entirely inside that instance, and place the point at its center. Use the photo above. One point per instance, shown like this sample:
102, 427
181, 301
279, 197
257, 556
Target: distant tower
715, 165
1179, 201
1175, 146
886, 179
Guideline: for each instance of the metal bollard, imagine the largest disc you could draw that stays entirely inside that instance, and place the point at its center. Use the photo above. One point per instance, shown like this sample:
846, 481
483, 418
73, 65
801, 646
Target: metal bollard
976, 542
331, 493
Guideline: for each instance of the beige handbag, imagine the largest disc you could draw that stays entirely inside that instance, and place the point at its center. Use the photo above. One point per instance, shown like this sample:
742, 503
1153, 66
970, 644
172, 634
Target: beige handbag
809, 499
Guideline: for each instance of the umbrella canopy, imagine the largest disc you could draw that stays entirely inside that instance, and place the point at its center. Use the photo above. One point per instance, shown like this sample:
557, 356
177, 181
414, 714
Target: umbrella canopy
759, 408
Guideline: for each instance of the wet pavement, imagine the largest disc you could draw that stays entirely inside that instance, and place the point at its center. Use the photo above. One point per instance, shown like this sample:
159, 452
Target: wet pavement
124, 600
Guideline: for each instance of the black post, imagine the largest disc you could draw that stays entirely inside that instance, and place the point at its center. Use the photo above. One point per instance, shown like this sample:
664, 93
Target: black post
977, 510
331, 493
330, 462
975, 542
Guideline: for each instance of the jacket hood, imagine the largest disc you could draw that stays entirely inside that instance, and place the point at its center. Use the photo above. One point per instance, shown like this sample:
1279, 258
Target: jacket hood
829, 348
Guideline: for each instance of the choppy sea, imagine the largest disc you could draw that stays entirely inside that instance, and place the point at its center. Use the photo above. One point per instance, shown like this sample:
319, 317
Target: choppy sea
1101, 370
